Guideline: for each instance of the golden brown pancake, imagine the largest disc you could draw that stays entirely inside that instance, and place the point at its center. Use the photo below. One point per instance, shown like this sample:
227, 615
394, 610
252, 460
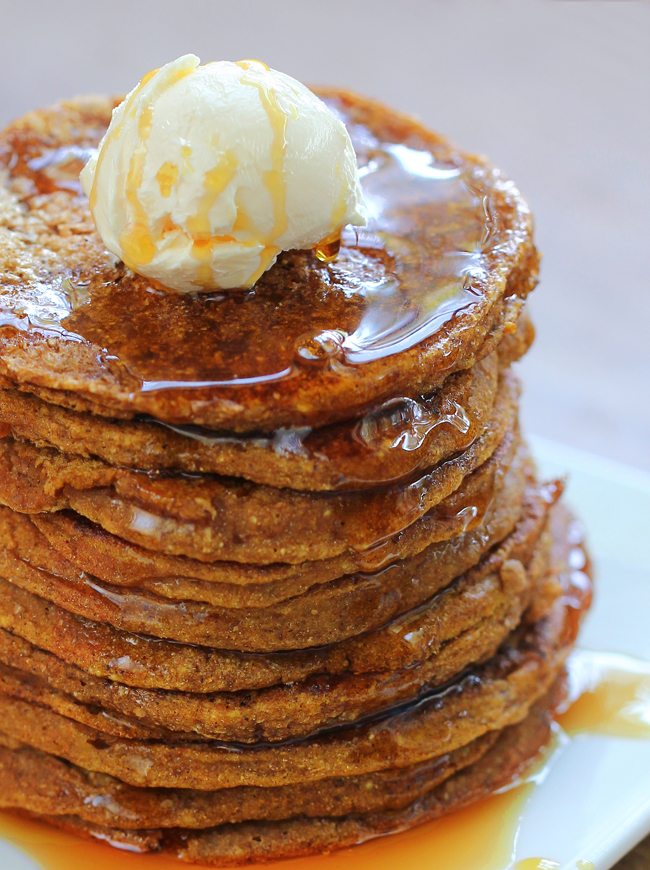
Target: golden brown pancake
324, 614
99, 803
36, 780
227, 845
211, 518
93, 550
463, 626
488, 697
47, 785
142, 662
386, 445
440, 270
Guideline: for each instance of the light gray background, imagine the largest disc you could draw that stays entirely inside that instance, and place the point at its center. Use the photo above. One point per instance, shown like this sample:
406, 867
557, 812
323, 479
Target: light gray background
554, 91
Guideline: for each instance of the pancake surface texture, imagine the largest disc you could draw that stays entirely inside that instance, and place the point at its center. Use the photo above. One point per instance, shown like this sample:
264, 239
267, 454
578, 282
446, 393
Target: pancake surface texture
277, 575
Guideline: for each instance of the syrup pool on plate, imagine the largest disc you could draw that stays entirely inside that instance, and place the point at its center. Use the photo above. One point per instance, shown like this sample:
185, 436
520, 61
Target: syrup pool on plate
609, 695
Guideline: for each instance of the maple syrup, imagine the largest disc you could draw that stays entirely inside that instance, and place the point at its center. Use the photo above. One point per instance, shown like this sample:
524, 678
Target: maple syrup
327, 250
57, 169
273, 177
321, 348
399, 425
609, 694
549, 864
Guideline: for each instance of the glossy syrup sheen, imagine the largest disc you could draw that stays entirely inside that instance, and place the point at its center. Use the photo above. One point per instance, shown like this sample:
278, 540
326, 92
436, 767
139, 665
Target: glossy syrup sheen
609, 694
374, 293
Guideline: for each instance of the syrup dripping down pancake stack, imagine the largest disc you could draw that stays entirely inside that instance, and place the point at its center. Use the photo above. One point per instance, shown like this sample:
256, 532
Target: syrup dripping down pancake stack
277, 572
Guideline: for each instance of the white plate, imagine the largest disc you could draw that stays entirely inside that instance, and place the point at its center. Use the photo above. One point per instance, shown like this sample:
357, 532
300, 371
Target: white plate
594, 803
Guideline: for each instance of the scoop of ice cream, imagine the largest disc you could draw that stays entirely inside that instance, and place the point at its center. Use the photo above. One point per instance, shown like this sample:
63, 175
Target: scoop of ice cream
206, 173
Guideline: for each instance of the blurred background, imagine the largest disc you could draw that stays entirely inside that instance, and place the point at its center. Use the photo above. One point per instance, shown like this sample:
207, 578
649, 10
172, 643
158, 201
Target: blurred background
556, 92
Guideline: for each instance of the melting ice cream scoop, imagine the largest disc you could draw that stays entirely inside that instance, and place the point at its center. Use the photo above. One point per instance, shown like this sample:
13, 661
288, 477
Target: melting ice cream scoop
206, 173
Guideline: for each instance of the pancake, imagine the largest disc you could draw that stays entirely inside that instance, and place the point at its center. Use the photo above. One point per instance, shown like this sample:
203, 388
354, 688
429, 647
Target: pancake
210, 518
90, 548
101, 800
228, 845
142, 662
370, 450
310, 349
465, 625
324, 614
385, 445
513, 754
489, 697
44, 784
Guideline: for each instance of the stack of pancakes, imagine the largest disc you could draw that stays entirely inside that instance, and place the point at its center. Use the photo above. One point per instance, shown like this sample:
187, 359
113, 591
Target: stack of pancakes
277, 573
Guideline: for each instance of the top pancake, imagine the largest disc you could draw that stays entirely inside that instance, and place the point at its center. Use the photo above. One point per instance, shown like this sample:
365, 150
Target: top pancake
439, 270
